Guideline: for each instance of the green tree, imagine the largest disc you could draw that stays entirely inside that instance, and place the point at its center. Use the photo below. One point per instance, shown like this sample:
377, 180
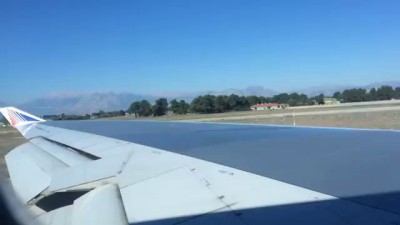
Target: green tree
302, 99
296, 99
338, 95
160, 107
319, 99
209, 103
174, 106
145, 108
385, 93
397, 93
183, 107
373, 95
179, 107
203, 104
220, 103
197, 106
281, 98
243, 103
134, 108
236, 103
232, 102
355, 95
252, 99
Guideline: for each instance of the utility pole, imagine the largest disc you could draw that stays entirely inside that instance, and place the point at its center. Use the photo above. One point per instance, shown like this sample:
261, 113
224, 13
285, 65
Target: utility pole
294, 120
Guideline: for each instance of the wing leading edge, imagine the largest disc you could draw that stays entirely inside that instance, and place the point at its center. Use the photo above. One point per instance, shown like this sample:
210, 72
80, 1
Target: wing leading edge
81, 178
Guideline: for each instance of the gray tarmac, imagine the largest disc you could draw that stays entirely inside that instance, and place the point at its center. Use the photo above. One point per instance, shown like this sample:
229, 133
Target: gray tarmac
359, 165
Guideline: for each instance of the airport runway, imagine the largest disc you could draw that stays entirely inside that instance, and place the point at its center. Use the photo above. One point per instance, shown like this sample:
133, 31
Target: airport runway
359, 165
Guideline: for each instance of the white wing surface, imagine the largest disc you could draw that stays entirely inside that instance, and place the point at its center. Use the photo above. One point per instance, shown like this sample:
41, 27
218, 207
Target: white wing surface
80, 178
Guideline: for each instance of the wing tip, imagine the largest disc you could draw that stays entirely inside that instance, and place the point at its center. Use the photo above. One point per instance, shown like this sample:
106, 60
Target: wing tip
18, 117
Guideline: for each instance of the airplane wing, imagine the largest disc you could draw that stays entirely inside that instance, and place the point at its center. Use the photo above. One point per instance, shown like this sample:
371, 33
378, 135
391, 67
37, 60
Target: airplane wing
70, 177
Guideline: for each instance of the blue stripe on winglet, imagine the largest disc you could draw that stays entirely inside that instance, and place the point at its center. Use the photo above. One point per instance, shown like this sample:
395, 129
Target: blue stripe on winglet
27, 118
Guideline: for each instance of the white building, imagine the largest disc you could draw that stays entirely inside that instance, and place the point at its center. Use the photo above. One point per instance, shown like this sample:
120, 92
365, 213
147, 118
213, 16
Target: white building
267, 106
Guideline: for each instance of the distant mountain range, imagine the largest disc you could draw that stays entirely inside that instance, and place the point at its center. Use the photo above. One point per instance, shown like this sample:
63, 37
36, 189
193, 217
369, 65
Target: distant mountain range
252, 90
88, 103
108, 101
82, 103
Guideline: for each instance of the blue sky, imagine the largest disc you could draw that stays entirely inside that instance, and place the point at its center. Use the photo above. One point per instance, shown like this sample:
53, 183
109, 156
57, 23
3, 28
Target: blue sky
147, 46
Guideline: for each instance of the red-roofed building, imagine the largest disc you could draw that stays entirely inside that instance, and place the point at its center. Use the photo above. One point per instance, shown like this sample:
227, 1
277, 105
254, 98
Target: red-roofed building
267, 106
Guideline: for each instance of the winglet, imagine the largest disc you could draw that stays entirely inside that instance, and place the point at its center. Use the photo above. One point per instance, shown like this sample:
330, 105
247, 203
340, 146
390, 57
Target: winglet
17, 117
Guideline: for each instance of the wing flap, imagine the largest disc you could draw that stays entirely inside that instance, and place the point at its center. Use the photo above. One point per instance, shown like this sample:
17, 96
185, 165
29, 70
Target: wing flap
84, 176
60, 216
140, 168
101, 206
28, 178
177, 195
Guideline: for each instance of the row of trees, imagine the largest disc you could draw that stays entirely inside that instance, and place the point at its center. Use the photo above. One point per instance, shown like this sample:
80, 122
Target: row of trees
222, 103
144, 108
363, 95
100, 114
216, 104
179, 107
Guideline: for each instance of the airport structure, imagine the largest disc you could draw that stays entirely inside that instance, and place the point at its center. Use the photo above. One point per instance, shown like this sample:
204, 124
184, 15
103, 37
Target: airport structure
331, 101
268, 106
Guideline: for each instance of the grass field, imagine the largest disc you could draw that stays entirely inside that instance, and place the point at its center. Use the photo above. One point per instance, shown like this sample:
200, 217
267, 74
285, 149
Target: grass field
302, 109
9, 139
370, 120
378, 115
